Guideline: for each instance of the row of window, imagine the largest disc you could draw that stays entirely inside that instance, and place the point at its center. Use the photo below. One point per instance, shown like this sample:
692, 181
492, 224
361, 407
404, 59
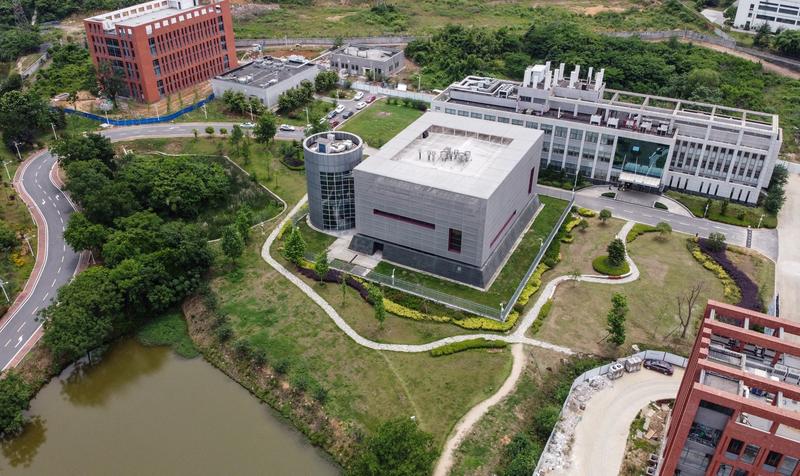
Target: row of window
178, 40
193, 75
748, 453
191, 56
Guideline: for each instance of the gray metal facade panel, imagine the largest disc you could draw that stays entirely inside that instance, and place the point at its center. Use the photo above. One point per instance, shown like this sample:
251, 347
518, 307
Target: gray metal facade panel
443, 209
317, 163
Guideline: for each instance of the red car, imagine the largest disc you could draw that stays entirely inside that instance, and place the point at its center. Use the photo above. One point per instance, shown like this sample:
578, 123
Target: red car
334, 123
370, 99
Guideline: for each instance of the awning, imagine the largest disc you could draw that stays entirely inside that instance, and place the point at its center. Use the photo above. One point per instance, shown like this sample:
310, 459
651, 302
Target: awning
638, 179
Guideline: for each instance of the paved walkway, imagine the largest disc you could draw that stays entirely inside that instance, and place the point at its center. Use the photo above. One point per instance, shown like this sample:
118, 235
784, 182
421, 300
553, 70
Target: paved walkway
787, 271
611, 412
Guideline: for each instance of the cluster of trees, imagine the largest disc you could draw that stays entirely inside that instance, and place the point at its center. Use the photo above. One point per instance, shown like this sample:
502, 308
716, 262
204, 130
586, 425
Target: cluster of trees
397, 448
71, 71
325, 81
51, 10
776, 195
297, 97
24, 114
787, 42
15, 42
238, 103
131, 222
669, 69
236, 235
616, 319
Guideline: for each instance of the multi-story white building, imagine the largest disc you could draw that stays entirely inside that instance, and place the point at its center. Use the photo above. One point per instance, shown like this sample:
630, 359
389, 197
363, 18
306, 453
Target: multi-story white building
639, 140
778, 14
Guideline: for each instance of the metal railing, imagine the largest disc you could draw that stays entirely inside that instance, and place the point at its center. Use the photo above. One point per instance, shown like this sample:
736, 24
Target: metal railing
373, 89
542, 250
676, 360
144, 120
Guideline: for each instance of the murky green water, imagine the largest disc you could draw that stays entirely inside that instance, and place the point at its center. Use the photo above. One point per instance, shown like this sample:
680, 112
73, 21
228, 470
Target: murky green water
146, 411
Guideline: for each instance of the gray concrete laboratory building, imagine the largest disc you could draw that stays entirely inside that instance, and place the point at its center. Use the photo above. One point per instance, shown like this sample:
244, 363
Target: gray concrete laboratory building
449, 196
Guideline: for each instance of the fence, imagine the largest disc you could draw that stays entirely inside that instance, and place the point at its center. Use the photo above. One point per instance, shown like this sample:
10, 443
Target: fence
144, 120
372, 89
365, 40
33, 68
602, 370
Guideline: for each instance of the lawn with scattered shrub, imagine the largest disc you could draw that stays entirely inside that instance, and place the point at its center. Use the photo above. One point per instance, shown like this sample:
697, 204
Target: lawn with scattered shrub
381, 121
735, 214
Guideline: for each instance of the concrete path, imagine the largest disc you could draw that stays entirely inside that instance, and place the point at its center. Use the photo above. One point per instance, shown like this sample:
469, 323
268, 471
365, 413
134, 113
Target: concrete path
609, 413
787, 271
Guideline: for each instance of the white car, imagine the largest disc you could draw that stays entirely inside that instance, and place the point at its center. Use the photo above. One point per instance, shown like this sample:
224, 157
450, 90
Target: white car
358, 96
247, 125
361, 105
339, 109
286, 127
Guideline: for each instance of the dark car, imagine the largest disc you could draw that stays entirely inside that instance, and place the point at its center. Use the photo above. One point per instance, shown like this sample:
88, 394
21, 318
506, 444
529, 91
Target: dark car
347, 115
334, 123
332, 114
659, 366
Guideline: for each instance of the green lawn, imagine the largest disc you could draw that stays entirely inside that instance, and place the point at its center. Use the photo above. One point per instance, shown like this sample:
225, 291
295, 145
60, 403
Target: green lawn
317, 109
380, 122
420, 17
578, 316
365, 387
736, 214
512, 273
216, 112
316, 241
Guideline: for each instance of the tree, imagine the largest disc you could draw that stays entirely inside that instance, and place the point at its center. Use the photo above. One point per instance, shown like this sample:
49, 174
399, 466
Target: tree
583, 224
605, 214
616, 252
22, 114
397, 448
236, 135
664, 229
723, 207
774, 200
8, 239
295, 246
788, 42
210, 131
194, 132
321, 265
325, 81
73, 148
244, 150
716, 242
376, 298
223, 131
232, 242
616, 319
83, 315
111, 80
265, 129
15, 395
82, 234
686, 304
244, 220
761, 39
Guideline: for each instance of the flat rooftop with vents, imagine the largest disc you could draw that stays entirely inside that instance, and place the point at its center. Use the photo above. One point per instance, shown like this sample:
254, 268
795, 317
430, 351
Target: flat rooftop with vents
266, 78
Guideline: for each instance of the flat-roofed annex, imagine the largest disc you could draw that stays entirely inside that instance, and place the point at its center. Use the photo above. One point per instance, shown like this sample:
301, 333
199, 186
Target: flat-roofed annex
461, 155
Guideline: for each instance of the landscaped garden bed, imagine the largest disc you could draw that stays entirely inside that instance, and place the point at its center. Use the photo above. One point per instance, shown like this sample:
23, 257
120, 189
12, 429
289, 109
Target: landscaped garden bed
725, 212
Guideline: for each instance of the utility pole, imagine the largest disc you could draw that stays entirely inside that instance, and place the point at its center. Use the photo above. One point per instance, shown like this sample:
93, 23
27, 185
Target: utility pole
3, 287
205, 111
5, 164
251, 111
759, 221
16, 146
28, 241
53, 126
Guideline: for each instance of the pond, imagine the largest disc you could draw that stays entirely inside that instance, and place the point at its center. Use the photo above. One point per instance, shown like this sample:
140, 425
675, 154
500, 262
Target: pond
145, 410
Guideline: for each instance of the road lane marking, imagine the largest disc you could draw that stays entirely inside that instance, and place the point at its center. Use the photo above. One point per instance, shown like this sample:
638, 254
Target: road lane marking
59, 270
54, 282
59, 211
62, 258
9, 341
20, 327
19, 341
64, 248
45, 296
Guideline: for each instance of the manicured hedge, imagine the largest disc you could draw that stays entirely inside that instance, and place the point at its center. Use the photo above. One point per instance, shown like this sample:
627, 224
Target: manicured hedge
572, 223
543, 313
660, 206
750, 297
609, 194
530, 289
585, 212
601, 265
466, 345
639, 229
729, 287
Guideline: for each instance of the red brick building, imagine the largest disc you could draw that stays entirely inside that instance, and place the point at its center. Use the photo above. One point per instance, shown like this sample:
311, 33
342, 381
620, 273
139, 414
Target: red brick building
737, 412
162, 47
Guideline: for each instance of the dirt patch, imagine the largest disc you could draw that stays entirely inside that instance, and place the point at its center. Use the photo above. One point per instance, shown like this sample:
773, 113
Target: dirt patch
383, 114
336, 18
594, 10
308, 53
243, 10
646, 432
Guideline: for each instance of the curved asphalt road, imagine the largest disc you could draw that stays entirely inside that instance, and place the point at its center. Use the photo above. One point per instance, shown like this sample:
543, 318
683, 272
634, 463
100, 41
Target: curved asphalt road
59, 261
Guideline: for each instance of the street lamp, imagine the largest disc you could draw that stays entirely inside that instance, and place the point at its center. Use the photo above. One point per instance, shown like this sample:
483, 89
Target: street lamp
705, 213
759, 220
205, 110
53, 126
5, 164
28, 241
3, 287
16, 146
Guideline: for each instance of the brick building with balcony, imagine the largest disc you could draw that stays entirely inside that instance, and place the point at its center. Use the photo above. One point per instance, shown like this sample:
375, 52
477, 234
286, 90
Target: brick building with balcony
737, 412
160, 48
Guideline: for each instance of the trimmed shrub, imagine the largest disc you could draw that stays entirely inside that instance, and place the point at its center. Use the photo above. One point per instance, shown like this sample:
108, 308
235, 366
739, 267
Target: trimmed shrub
568, 238
660, 206
466, 345
639, 229
602, 266
609, 194
543, 313
585, 212
530, 289
729, 287
748, 290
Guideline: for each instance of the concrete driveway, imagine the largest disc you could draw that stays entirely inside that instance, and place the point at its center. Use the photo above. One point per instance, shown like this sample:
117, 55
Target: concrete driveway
602, 433
787, 271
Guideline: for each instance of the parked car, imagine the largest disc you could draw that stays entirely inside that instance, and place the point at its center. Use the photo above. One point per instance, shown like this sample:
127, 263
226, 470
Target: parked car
347, 115
370, 99
247, 125
659, 366
286, 127
332, 114
334, 123
339, 109
358, 96
322, 120
361, 105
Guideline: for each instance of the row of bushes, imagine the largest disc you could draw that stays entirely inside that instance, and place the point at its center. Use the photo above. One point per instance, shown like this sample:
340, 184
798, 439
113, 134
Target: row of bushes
639, 229
467, 345
586, 212
748, 290
543, 313
531, 287
572, 223
602, 266
413, 103
729, 287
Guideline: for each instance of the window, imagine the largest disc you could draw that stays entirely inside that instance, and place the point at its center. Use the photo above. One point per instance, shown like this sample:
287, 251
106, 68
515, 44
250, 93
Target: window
516, 122
734, 448
447, 110
750, 453
489, 117
454, 240
502, 229
773, 458
502, 119
575, 134
787, 466
591, 137
530, 180
463, 113
476, 115
561, 132
394, 216
530, 125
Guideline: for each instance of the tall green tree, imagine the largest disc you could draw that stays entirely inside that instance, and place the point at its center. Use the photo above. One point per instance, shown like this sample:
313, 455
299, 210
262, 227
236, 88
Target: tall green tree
295, 247
616, 319
82, 234
111, 80
265, 129
232, 242
244, 220
616, 252
22, 114
78, 147
397, 448
376, 298
321, 265
15, 394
